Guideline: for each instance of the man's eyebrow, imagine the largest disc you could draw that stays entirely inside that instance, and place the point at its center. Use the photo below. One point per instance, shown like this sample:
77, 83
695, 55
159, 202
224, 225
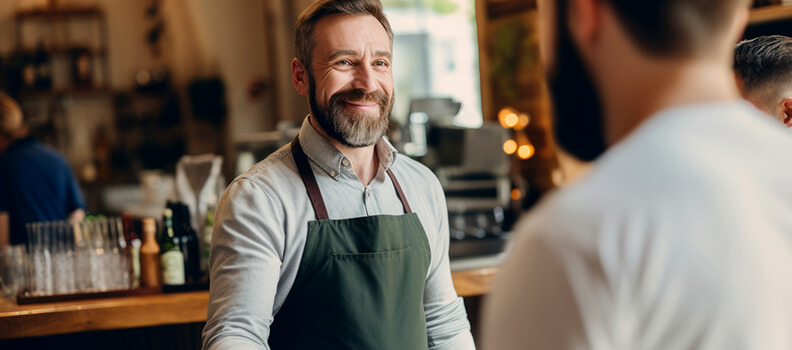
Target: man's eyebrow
385, 54
354, 53
342, 53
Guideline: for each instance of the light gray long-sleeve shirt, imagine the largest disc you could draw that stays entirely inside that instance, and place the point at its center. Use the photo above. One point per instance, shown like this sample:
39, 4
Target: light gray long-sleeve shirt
262, 221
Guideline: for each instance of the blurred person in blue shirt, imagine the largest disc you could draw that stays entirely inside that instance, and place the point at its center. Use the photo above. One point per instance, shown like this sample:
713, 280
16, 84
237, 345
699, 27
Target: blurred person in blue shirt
36, 183
763, 67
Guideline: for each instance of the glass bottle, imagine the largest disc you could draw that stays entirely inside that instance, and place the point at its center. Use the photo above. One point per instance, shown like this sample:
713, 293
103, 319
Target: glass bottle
188, 242
171, 258
149, 255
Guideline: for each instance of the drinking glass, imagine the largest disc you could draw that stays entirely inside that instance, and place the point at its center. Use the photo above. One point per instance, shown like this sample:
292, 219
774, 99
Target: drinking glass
13, 261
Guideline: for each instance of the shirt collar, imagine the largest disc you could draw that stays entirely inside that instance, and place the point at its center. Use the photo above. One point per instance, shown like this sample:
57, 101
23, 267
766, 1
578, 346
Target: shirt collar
330, 159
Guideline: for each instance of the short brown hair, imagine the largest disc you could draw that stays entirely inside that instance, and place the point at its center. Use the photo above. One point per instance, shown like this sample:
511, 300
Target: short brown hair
675, 27
11, 123
303, 29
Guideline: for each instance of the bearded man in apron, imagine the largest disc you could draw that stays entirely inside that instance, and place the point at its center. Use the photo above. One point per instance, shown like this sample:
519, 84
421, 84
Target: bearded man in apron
335, 241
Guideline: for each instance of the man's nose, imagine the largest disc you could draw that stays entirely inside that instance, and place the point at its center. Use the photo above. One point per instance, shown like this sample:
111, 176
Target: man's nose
365, 79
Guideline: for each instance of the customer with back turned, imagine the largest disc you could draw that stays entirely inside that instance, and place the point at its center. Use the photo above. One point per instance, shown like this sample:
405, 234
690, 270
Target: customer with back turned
36, 183
763, 67
336, 241
680, 235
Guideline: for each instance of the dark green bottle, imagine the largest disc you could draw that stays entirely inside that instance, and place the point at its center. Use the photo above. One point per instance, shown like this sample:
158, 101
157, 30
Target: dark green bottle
171, 257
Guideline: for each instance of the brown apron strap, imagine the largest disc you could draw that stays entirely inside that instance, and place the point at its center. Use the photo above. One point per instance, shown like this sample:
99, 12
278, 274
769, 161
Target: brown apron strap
399, 191
309, 180
312, 187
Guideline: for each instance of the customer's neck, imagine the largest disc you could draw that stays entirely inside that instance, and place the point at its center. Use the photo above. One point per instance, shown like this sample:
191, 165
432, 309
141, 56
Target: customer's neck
662, 87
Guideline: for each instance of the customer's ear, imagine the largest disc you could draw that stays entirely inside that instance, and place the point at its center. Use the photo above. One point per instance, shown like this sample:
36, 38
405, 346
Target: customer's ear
786, 107
585, 20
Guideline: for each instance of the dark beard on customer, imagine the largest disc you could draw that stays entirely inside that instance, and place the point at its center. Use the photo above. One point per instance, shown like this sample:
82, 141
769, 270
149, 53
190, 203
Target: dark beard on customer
352, 129
578, 112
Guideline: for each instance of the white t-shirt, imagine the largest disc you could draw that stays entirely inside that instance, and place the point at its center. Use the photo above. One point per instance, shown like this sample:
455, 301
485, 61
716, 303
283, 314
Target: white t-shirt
679, 237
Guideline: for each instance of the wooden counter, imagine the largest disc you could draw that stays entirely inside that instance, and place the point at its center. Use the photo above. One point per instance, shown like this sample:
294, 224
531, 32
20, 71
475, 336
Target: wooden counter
18, 321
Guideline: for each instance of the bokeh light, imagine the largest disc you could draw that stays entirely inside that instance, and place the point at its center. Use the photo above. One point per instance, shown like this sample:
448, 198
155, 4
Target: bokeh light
510, 147
515, 194
526, 151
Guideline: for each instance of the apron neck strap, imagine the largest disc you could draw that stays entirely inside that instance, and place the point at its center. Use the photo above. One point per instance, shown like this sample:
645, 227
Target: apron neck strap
399, 191
309, 180
313, 188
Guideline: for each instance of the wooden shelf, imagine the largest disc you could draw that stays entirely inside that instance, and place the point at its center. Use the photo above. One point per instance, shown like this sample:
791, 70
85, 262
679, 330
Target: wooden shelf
60, 13
502, 8
66, 50
73, 92
19, 321
771, 13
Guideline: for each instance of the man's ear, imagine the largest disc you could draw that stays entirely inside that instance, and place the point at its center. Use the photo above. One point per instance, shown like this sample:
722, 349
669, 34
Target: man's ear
299, 77
786, 106
585, 20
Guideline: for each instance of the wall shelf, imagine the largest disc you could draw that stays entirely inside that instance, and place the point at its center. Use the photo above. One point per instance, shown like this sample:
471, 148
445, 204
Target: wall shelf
772, 13
59, 13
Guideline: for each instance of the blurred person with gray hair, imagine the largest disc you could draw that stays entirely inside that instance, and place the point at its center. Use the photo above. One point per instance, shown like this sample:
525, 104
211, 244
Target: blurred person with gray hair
36, 182
763, 67
678, 236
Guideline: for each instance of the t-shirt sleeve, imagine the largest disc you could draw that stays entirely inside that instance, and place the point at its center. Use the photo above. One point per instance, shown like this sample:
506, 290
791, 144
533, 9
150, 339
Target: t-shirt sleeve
74, 197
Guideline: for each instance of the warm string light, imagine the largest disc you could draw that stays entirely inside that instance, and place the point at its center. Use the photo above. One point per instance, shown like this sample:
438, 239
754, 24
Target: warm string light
516, 194
526, 151
519, 145
510, 146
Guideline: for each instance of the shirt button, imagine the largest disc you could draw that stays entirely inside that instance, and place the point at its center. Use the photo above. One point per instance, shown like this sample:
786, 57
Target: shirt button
332, 173
345, 162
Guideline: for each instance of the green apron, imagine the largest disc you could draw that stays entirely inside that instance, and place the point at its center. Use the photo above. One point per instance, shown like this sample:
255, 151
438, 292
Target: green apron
360, 283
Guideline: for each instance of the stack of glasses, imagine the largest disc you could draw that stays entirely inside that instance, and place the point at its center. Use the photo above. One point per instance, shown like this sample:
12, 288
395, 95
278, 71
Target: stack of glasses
86, 257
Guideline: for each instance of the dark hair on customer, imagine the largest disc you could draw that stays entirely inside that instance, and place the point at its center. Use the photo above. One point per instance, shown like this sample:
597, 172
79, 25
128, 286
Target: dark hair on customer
675, 27
764, 60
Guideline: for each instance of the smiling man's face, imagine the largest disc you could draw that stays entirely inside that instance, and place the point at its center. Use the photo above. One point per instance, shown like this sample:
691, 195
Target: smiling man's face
351, 83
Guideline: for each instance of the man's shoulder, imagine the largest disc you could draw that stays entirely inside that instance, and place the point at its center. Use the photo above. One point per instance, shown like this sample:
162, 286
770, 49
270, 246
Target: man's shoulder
32, 151
272, 173
413, 168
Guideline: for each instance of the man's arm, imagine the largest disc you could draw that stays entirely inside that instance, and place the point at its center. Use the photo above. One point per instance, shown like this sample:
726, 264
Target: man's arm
5, 238
245, 263
76, 216
5, 221
446, 320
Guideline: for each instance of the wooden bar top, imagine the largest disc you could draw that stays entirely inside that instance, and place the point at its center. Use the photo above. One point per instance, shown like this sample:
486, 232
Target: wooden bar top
18, 321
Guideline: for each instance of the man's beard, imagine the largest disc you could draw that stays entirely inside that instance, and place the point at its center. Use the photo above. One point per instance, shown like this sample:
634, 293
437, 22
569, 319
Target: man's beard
350, 128
578, 111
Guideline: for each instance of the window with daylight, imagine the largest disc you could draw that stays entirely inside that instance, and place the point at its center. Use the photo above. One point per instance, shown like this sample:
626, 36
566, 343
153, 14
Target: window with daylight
435, 55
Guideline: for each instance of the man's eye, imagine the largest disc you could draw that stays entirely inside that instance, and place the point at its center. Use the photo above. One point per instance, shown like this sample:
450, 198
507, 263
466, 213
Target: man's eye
381, 63
344, 63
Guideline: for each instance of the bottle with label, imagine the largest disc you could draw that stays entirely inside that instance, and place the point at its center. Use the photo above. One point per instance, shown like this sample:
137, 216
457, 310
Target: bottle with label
149, 255
172, 258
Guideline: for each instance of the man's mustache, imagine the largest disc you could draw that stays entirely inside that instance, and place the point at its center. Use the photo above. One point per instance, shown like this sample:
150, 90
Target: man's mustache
360, 95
